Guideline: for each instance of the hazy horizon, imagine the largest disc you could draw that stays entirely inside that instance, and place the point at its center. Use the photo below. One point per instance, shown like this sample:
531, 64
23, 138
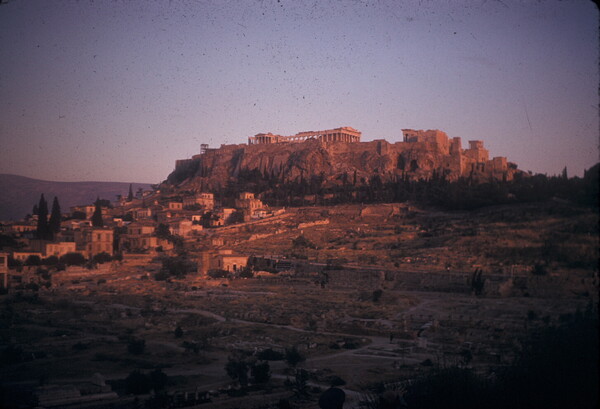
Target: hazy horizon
117, 91
78, 181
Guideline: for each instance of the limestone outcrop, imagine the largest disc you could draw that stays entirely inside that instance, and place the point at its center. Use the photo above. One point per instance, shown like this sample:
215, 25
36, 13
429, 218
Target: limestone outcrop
421, 155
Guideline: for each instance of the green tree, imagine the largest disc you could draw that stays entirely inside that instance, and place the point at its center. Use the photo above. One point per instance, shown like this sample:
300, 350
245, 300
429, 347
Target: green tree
136, 346
102, 258
42, 223
55, 217
97, 216
162, 231
217, 273
293, 357
117, 233
72, 259
178, 267
261, 372
130, 194
50, 261
158, 379
247, 272
302, 242
300, 383
237, 368
33, 260
376, 295
477, 282
8, 241
138, 383
270, 355
78, 215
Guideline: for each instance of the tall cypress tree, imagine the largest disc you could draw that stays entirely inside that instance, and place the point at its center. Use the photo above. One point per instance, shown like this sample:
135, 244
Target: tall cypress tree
130, 195
42, 223
55, 216
97, 216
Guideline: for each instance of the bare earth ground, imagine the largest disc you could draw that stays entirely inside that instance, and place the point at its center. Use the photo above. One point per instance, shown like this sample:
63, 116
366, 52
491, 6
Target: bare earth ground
426, 312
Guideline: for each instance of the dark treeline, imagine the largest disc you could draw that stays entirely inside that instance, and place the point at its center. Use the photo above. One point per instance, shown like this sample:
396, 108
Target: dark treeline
556, 368
463, 194
47, 228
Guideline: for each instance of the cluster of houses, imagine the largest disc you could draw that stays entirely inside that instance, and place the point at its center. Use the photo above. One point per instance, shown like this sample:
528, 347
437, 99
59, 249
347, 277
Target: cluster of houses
138, 226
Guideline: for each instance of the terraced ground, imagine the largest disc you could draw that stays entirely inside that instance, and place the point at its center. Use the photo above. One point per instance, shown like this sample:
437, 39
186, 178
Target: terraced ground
379, 294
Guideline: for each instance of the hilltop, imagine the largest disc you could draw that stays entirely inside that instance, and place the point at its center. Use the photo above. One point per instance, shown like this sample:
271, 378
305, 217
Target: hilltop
20, 193
336, 157
333, 166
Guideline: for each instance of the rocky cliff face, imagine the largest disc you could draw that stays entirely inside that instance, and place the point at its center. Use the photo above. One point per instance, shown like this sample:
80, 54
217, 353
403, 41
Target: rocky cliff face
333, 161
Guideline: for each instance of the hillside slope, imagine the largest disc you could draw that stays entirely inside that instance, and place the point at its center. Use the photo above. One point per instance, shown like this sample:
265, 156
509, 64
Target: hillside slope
18, 194
335, 162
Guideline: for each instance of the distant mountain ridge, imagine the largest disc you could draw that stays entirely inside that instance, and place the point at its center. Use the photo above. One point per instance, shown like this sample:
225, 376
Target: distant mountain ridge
18, 194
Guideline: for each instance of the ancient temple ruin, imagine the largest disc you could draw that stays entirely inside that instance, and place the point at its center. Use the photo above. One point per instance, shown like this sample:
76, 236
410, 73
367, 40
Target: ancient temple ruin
343, 134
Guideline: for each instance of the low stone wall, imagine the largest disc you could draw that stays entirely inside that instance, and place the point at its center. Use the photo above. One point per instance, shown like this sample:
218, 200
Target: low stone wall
495, 285
311, 224
259, 236
137, 259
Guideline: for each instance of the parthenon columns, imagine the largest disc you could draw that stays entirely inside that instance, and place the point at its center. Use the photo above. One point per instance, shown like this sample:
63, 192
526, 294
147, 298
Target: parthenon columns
343, 134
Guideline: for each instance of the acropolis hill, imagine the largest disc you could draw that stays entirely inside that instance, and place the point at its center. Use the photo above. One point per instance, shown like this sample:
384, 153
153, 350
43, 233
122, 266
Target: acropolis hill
338, 154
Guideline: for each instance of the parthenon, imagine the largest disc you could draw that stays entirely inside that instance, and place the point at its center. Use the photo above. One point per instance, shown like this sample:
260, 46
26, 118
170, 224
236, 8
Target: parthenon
343, 134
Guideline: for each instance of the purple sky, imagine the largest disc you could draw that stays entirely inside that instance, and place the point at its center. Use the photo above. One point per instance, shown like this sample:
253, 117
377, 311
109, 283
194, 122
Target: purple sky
118, 90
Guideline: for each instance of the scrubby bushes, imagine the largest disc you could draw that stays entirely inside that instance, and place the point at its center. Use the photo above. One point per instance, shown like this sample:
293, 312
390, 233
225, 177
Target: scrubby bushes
102, 258
262, 264
302, 242
177, 267
376, 295
539, 270
136, 346
33, 260
477, 282
261, 372
217, 273
556, 368
73, 259
237, 368
270, 355
240, 362
293, 357
466, 193
138, 383
50, 261
246, 273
